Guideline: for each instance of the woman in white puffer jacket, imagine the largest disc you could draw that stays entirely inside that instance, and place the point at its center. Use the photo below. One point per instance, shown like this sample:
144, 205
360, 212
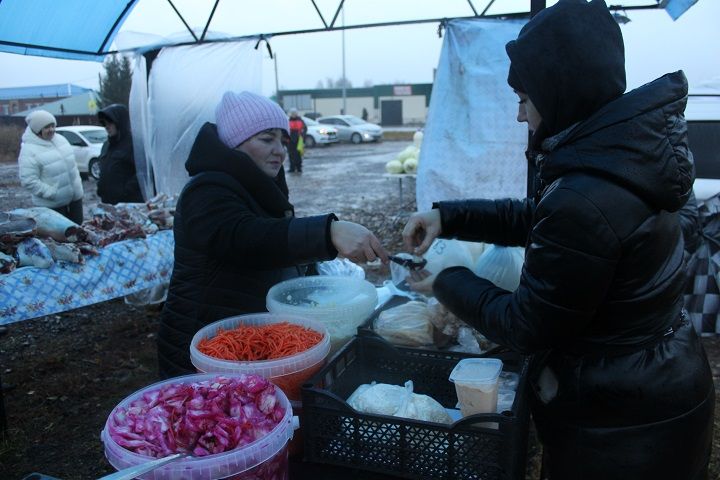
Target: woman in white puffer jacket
47, 167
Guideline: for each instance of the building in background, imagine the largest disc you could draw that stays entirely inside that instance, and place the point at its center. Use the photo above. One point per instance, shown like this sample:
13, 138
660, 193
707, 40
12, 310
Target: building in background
79, 109
18, 99
387, 105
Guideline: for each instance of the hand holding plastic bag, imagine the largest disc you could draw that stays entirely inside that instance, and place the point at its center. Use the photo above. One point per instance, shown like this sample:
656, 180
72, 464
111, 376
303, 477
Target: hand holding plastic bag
421, 230
442, 254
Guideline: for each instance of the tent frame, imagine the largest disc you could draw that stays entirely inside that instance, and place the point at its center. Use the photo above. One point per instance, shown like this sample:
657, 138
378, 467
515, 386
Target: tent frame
536, 6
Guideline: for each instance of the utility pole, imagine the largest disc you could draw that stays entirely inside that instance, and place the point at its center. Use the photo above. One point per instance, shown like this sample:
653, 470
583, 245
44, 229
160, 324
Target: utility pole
344, 80
277, 88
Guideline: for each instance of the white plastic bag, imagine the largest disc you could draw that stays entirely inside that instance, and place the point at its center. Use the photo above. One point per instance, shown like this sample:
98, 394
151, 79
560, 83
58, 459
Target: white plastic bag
384, 399
406, 325
341, 267
501, 265
148, 296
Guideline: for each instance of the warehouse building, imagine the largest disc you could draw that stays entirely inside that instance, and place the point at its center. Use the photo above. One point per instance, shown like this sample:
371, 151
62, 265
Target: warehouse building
387, 105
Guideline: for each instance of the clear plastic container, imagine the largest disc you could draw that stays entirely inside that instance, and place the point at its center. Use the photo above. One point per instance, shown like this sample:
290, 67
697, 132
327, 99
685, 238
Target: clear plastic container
476, 384
288, 373
264, 459
340, 303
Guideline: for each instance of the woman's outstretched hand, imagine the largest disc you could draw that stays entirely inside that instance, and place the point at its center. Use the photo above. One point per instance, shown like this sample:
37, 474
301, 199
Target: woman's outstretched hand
421, 230
356, 243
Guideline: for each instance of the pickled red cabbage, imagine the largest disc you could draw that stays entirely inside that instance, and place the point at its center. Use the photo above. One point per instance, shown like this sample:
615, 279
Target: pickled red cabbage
201, 418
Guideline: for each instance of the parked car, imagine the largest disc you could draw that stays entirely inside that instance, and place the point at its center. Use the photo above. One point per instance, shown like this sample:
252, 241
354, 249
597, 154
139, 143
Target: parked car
353, 129
318, 134
86, 142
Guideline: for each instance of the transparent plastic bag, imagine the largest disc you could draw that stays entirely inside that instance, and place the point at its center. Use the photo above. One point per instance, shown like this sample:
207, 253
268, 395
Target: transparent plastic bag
407, 325
341, 267
148, 296
501, 265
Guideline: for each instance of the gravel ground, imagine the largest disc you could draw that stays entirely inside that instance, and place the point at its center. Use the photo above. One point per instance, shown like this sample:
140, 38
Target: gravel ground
64, 373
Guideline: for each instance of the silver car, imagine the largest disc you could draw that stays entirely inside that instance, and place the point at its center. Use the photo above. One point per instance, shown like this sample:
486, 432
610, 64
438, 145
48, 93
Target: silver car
86, 142
318, 134
353, 129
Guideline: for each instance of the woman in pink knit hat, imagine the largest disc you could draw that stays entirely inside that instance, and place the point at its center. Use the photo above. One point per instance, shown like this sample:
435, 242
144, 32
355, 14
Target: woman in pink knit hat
236, 234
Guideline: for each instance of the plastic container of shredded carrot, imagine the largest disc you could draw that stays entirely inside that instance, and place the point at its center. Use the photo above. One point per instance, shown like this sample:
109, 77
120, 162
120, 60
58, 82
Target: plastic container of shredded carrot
285, 349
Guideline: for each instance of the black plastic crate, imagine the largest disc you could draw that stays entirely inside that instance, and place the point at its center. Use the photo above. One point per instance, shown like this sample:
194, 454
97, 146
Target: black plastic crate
483, 446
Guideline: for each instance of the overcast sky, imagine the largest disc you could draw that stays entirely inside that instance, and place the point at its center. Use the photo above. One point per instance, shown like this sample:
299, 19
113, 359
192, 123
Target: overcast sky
401, 54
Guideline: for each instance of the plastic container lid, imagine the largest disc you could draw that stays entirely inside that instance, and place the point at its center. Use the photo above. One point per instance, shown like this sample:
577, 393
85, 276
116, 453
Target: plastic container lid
210, 467
476, 371
266, 368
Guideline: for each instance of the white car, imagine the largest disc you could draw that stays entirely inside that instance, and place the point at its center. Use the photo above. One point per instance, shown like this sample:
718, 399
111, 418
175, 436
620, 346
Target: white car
353, 129
86, 142
318, 134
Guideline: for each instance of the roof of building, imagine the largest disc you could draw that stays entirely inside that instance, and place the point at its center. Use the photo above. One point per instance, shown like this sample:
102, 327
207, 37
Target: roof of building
82, 104
40, 91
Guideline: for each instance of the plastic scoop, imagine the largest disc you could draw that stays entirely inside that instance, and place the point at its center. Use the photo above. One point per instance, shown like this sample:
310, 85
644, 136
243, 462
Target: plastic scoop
132, 472
414, 263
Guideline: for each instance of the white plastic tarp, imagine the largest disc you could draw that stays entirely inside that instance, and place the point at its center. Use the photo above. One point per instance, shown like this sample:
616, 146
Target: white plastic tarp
168, 108
473, 146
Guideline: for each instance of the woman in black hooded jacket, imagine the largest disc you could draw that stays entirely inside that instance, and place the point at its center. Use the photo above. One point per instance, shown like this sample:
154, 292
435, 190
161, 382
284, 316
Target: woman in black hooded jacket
118, 180
623, 390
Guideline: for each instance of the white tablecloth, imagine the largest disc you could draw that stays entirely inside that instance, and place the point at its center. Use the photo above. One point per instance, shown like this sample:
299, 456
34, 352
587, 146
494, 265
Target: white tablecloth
121, 268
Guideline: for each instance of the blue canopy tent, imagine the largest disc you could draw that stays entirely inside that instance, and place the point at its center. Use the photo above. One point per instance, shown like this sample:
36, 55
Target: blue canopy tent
86, 29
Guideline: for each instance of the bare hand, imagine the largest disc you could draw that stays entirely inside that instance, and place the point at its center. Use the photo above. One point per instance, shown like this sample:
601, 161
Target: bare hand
356, 243
421, 281
421, 230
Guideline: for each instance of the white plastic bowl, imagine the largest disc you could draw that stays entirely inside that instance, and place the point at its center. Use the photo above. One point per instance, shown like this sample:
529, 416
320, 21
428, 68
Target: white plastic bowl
340, 303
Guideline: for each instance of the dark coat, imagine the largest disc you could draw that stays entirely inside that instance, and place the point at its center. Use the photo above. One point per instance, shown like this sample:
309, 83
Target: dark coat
118, 180
600, 295
235, 237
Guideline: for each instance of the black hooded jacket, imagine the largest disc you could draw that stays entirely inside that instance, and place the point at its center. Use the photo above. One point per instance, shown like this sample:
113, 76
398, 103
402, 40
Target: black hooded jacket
235, 237
118, 180
600, 295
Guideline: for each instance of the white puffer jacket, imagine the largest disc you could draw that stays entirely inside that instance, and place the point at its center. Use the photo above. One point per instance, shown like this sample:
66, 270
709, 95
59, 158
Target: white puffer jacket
48, 170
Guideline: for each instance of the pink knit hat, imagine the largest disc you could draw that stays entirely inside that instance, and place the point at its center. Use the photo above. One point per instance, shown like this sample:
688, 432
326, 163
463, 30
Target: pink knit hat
239, 116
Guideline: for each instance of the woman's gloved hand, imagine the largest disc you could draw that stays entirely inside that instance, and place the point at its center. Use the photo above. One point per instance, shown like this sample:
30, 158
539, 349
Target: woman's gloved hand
356, 243
421, 230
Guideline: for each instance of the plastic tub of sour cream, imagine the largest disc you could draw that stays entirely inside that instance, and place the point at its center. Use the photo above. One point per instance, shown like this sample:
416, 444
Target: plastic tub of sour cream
476, 384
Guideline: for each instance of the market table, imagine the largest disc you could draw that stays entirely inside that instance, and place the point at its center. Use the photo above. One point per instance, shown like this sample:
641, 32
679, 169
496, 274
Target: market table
400, 177
120, 269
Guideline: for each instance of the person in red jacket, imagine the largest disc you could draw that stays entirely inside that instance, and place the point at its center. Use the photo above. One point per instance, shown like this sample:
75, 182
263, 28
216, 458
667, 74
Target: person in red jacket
298, 129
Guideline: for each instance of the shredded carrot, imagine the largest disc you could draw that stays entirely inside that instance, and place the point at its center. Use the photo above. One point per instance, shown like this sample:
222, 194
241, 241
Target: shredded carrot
260, 342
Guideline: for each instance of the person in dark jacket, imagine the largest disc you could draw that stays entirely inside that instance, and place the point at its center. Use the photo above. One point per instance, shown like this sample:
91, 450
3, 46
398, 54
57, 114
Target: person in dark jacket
298, 130
236, 234
623, 389
118, 180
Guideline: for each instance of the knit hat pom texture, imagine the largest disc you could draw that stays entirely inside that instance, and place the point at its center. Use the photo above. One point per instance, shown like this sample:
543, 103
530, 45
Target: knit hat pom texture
239, 116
